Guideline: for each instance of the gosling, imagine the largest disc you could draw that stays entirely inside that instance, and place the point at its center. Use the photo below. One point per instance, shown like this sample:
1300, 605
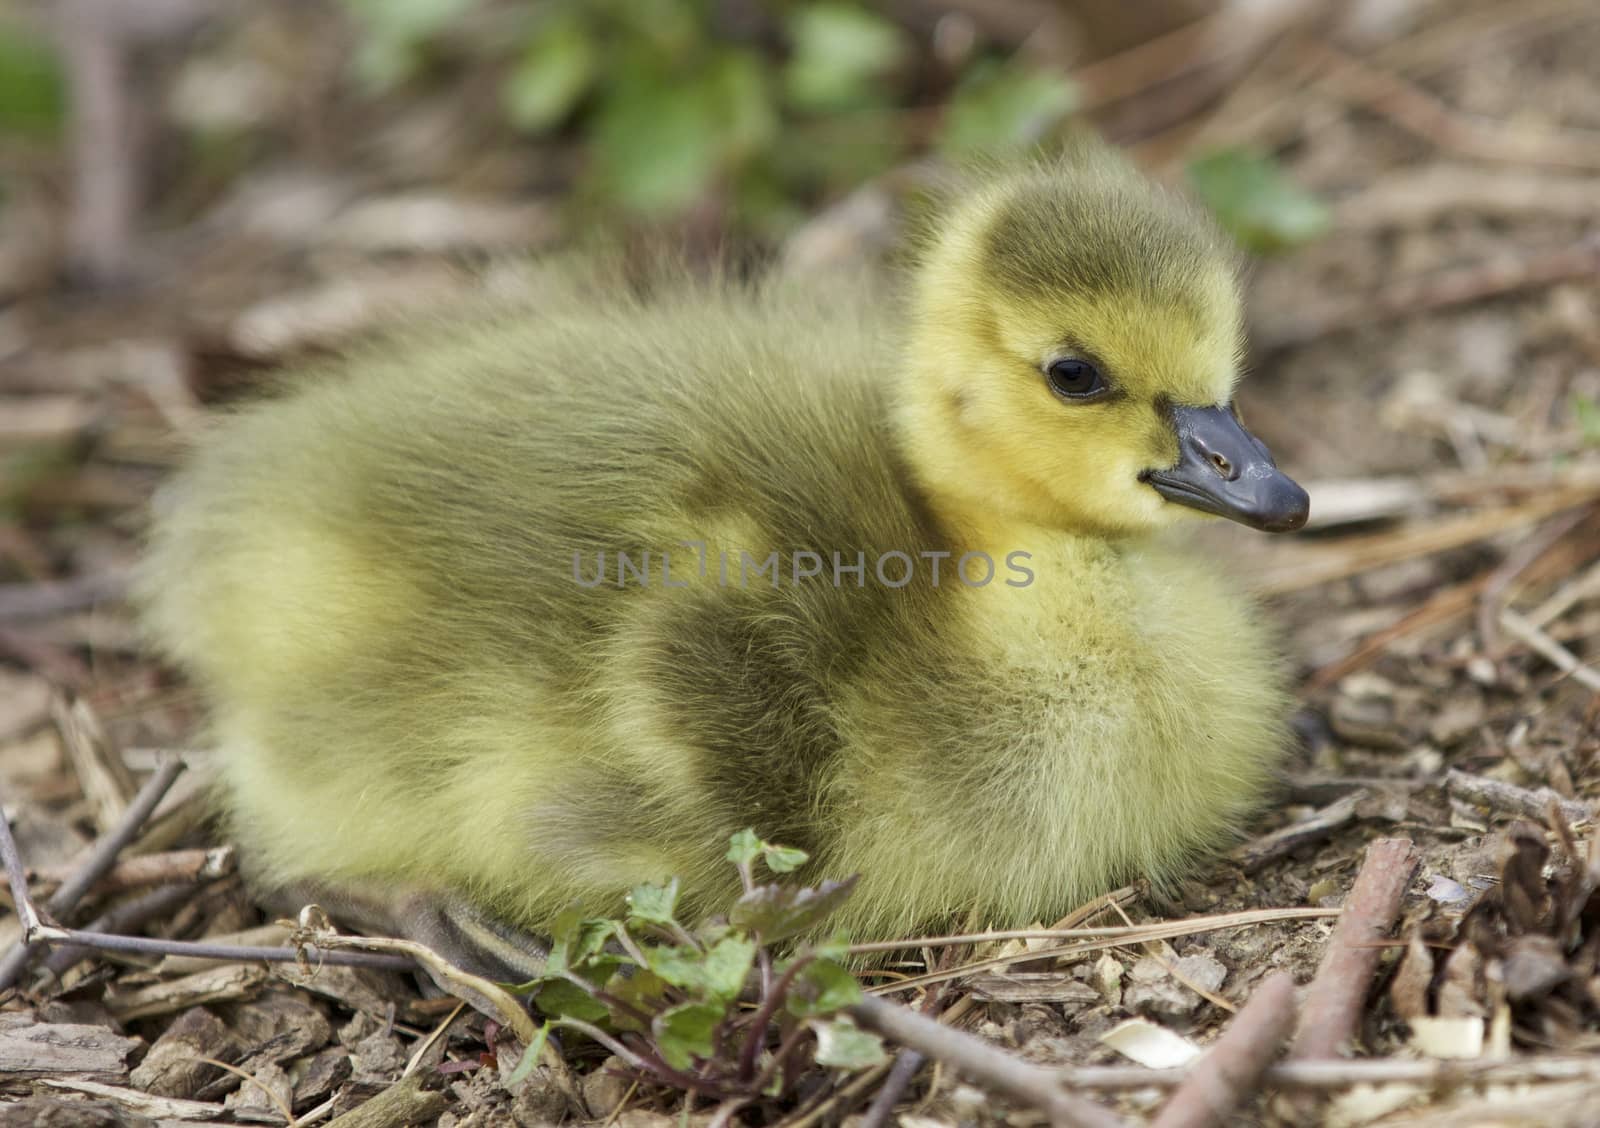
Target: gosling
527, 609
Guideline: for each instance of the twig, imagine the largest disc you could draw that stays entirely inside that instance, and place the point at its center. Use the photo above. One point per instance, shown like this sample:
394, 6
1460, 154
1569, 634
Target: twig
1498, 795
312, 952
167, 868
404, 1102
906, 1064
1549, 649
1344, 1073
1564, 598
36, 601
1259, 852
1435, 291
1231, 1069
1440, 608
1424, 116
65, 899
1297, 567
119, 919
830, 1103
1523, 557
104, 149
1027, 1084
1333, 1002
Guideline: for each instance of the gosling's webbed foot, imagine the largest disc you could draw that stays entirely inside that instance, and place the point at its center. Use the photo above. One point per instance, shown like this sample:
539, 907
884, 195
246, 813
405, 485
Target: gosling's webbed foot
462, 933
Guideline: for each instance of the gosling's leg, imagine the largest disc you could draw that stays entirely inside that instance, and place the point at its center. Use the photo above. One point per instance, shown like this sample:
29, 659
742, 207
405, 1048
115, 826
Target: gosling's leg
462, 933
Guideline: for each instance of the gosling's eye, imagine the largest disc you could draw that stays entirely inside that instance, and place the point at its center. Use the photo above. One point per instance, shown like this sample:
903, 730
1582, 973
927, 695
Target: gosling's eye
1074, 378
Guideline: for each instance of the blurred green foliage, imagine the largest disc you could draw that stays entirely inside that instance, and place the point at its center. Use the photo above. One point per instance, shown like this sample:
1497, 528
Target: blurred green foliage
32, 98
811, 97
1261, 207
768, 106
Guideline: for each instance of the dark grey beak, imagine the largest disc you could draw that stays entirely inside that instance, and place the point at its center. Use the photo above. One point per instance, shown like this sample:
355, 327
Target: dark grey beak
1224, 469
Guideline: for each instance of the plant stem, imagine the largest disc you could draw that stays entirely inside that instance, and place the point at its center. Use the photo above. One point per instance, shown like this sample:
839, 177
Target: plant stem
770, 1002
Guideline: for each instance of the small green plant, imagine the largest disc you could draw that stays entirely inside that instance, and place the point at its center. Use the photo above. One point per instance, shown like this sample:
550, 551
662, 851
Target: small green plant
32, 91
666, 998
672, 102
1260, 207
1587, 413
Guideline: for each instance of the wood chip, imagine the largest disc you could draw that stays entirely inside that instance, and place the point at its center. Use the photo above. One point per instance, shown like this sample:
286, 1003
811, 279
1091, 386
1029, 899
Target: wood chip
29, 1048
161, 1108
227, 983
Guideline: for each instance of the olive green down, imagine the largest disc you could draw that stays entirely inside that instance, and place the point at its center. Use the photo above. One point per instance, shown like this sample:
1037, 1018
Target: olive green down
381, 579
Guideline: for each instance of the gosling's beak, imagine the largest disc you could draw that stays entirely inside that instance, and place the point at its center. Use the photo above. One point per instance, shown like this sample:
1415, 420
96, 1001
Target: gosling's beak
1224, 469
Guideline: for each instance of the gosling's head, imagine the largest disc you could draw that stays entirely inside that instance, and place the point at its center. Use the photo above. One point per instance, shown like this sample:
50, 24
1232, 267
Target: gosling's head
1073, 357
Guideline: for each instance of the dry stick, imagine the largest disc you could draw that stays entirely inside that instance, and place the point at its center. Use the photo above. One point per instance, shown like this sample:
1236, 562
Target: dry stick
55, 597
1009, 1076
169, 867
1525, 556
1297, 567
906, 1064
1344, 1073
105, 153
1423, 115
1333, 1002
65, 899
1563, 599
1439, 290
1549, 649
1231, 1069
120, 919
1259, 852
1526, 802
36, 932
1438, 610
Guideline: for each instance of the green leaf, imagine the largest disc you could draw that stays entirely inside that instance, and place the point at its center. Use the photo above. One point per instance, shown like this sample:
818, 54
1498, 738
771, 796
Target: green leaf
843, 1045
736, 82
530, 1058
562, 998
840, 54
835, 948
32, 91
643, 989
687, 1032
778, 912
654, 904
822, 988
393, 33
744, 848
574, 939
1260, 207
718, 972
1587, 412
554, 72
656, 140
784, 859
681, 967
726, 965
999, 108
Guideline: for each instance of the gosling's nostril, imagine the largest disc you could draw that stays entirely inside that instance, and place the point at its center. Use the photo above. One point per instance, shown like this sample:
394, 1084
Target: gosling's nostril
1224, 467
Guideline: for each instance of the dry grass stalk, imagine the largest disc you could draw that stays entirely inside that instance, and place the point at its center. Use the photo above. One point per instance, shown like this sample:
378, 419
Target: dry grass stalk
1111, 938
